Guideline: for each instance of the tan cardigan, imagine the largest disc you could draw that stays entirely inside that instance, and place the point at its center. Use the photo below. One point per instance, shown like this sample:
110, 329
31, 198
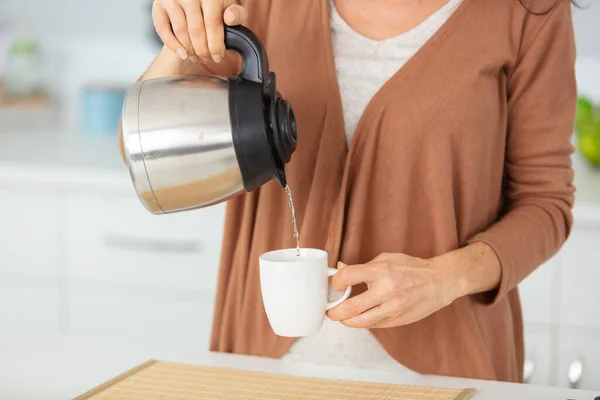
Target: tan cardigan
469, 141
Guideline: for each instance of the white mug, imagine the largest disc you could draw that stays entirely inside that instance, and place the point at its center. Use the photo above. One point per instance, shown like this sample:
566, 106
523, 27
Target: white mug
295, 290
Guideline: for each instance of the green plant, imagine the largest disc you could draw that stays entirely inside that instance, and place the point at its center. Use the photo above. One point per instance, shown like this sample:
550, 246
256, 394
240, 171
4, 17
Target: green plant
587, 129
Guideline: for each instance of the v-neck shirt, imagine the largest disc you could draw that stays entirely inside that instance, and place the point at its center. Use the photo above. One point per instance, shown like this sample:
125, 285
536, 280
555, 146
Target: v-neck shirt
363, 64
356, 58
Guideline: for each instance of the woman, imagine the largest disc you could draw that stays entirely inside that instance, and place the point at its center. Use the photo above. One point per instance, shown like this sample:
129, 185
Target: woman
433, 164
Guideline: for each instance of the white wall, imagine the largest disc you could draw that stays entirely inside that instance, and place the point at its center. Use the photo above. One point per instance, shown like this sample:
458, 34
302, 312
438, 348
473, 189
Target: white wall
84, 42
587, 33
587, 28
83, 17
110, 41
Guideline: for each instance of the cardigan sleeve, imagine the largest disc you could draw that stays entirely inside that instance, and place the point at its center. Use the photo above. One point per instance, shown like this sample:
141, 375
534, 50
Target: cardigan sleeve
538, 189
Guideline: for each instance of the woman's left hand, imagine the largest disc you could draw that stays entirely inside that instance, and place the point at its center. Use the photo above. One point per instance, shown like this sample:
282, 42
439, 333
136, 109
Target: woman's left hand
404, 289
401, 290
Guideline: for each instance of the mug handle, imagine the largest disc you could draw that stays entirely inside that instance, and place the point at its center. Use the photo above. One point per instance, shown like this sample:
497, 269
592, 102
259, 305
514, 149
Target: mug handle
330, 305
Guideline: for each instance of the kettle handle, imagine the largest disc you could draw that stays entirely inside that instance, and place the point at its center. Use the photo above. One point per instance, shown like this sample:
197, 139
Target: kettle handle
247, 44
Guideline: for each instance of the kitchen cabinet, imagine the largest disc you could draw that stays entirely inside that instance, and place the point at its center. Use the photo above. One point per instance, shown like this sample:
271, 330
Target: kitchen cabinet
28, 304
138, 277
29, 232
579, 277
29, 251
579, 358
160, 319
562, 295
96, 264
538, 355
113, 239
538, 293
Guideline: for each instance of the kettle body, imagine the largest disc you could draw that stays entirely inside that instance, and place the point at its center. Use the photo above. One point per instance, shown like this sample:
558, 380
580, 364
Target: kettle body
194, 141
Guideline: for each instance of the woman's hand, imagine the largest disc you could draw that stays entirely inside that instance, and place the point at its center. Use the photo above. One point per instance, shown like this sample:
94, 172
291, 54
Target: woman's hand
404, 289
193, 29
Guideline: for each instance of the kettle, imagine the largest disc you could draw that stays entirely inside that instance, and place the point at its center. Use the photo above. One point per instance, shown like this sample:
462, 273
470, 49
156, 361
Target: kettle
194, 141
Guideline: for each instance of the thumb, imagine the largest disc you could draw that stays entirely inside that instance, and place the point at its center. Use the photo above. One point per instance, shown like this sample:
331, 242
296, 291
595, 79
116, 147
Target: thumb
336, 281
234, 15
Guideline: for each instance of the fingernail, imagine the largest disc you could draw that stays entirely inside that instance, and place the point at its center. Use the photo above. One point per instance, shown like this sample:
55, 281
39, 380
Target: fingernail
340, 265
182, 53
217, 58
195, 59
229, 17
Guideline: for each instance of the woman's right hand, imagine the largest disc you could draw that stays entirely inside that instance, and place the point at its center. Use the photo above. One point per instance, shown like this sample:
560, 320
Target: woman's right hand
193, 29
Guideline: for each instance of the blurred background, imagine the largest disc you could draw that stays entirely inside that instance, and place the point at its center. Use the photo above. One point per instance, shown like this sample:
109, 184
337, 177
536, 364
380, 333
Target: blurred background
91, 284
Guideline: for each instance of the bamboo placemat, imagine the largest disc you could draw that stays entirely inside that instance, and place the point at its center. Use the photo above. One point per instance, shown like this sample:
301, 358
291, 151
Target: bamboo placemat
169, 381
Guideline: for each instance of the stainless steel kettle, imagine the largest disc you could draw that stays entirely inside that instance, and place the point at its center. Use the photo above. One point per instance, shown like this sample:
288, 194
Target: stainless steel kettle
194, 141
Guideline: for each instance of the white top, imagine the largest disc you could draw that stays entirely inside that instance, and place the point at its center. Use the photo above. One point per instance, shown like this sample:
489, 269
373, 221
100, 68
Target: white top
356, 57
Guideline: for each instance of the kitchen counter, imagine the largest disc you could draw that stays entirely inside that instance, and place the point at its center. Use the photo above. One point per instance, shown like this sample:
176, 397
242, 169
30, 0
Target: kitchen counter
59, 369
62, 158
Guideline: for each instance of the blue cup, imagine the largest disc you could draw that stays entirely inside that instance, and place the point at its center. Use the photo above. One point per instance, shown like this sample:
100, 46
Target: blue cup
101, 110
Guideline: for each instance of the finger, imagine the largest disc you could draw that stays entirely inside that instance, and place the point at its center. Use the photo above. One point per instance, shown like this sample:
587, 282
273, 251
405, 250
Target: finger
179, 25
370, 318
163, 28
351, 275
403, 314
355, 305
215, 34
195, 27
388, 323
235, 15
